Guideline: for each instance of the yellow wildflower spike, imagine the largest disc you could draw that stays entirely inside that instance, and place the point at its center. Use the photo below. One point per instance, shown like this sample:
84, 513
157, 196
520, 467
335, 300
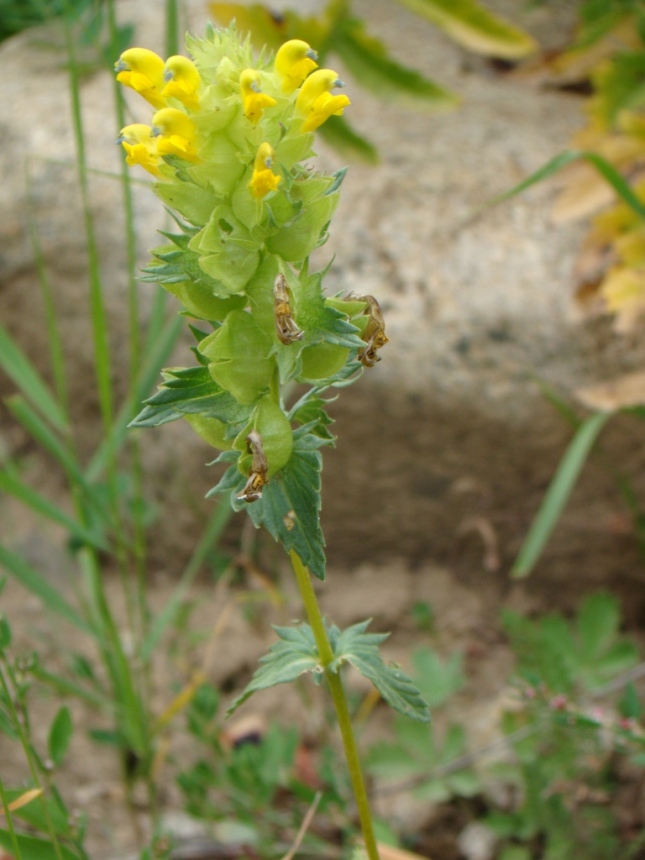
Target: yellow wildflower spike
183, 80
315, 104
140, 147
142, 70
253, 99
264, 179
293, 62
176, 133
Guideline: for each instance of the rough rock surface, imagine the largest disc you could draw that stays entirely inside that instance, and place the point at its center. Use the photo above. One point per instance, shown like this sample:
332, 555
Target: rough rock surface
448, 444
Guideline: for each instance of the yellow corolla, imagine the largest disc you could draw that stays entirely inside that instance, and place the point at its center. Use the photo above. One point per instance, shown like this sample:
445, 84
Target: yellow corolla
142, 70
176, 133
264, 179
315, 104
253, 99
293, 62
183, 81
140, 147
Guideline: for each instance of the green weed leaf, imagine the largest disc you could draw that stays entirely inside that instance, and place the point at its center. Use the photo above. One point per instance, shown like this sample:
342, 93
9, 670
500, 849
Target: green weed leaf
60, 735
360, 649
34, 848
437, 679
294, 654
337, 132
598, 622
368, 61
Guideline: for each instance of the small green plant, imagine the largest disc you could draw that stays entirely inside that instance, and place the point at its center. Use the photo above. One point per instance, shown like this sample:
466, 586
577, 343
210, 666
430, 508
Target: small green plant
249, 789
35, 822
227, 145
547, 784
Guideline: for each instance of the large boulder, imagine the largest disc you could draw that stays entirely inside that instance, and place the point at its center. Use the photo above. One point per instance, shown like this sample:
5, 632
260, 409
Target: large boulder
447, 445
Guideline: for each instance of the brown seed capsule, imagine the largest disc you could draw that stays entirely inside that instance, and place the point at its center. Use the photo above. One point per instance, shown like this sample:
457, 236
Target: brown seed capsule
285, 325
259, 467
374, 334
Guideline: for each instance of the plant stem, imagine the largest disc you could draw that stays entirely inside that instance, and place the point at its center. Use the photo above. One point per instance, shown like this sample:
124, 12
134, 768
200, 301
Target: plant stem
340, 702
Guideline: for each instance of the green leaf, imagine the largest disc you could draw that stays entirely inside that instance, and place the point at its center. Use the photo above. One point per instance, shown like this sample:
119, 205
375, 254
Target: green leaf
18, 367
190, 391
437, 679
558, 494
360, 649
290, 505
598, 623
368, 61
294, 654
320, 320
34, 848
60, 735
630, 705
35, 582
5, 632
473, 27
337, 132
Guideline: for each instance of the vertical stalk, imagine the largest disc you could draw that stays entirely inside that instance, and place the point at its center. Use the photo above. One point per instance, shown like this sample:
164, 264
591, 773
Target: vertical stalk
340, 703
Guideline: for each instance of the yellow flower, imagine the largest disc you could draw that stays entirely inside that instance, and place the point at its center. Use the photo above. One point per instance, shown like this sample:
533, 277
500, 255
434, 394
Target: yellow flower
293, 62
176, 133
140, 147
253, 99
315, 104
263, 179
183, 81
142, 70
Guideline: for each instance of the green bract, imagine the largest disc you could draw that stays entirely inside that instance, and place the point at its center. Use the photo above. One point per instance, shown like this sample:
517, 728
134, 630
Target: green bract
229, 144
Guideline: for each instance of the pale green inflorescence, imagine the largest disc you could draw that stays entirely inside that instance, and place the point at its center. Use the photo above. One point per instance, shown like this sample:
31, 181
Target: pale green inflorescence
227, 144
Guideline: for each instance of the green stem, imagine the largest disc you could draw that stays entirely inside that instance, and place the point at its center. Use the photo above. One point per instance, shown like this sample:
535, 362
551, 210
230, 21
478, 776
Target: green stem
340, 703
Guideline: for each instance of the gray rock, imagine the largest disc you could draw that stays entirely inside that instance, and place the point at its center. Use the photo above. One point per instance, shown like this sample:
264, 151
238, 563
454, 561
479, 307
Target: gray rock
452, 424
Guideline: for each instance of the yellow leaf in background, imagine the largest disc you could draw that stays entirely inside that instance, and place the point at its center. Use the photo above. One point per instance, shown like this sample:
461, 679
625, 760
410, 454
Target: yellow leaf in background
631, 248
577, 63
615, 222
625, 390
624, 293
475, 28
23, 800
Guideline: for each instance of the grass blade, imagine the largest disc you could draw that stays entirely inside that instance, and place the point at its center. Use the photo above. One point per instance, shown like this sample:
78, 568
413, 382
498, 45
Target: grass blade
164, 619
18, 367
604, 167
28, 496
33, 581
558, 493
154, 359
